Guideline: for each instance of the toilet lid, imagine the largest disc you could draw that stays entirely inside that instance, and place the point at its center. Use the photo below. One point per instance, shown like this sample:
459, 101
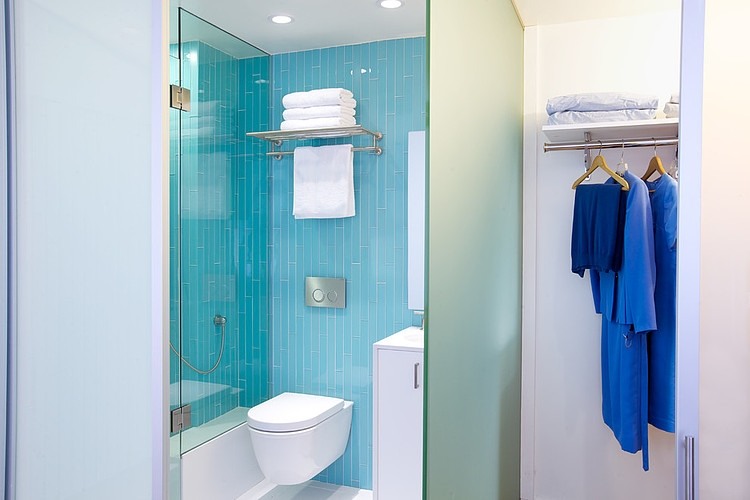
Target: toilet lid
291, 411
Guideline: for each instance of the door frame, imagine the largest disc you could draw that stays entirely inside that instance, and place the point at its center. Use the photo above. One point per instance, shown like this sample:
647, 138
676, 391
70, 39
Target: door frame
689, 229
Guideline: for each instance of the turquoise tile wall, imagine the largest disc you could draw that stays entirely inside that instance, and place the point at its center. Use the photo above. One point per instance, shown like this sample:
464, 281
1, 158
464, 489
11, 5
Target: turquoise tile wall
253, 231
329, 351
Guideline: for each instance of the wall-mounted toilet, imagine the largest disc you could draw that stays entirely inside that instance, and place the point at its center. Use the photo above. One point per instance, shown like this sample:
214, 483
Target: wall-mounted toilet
295, 436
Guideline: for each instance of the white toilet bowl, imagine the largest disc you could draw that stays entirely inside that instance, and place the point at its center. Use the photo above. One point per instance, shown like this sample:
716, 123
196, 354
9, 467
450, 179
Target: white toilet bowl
295, 436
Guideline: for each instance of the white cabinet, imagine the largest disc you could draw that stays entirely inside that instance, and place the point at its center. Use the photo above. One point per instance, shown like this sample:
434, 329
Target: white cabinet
397, 420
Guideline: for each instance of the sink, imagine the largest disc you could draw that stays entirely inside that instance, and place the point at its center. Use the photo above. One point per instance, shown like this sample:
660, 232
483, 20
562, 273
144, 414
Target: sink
413, 334
411, 338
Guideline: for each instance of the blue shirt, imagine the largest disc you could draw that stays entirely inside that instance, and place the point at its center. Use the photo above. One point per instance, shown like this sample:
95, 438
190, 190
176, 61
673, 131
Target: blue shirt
661, 343
627, 297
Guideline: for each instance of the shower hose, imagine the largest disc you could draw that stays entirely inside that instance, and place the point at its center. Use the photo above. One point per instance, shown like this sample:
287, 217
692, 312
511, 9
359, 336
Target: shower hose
221, 321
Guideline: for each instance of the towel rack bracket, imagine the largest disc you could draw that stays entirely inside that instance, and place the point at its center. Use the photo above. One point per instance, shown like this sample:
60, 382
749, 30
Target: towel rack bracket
277, 138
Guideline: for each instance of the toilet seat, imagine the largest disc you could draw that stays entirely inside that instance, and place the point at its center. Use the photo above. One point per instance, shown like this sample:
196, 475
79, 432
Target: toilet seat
290, 411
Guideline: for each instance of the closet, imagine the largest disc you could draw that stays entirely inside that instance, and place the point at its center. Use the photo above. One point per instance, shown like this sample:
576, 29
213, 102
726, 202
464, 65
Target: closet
567, 451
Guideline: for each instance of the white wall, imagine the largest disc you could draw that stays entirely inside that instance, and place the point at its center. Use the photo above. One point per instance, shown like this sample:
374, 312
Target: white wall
723, 443
567, 450
89, 173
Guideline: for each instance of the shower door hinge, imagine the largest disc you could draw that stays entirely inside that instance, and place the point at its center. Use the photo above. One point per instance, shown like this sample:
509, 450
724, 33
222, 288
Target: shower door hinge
179, 98
180, 419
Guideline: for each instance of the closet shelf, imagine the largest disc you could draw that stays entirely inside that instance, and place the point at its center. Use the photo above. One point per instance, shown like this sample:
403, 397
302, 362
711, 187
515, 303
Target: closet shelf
277, 137
606, 135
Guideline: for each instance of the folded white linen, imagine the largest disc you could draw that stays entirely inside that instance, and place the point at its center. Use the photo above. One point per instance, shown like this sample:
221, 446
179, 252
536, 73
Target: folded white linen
675, 98
570, 117
603, 101
318, 112
319, 97
323, 182
342, 121
672, 110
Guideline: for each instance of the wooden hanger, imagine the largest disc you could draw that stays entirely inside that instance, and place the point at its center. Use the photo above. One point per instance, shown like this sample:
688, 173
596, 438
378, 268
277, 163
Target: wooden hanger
654, 166
600, 162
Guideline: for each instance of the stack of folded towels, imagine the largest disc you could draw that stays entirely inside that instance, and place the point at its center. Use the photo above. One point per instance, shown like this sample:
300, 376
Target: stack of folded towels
672, 108
601, 107
319, 108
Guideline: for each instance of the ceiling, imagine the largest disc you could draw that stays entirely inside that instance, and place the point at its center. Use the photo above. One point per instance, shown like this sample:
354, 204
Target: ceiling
541, 12
317, 23
330, 23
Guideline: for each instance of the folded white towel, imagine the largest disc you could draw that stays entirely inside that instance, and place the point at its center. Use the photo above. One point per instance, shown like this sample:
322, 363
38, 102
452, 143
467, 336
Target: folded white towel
675, 98
622, 115
672, 110
604, 101
318, 112
319, 97
342, 121
323, 182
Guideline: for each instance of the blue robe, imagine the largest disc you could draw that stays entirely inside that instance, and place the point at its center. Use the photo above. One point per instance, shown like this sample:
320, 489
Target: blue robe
625, 300
661, 343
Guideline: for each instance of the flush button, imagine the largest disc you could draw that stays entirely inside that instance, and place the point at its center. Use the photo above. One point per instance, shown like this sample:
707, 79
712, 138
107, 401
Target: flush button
325, 292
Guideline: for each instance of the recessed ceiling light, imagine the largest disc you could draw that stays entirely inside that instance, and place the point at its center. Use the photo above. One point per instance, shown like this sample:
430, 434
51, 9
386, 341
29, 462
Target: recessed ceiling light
281, 19
391, 4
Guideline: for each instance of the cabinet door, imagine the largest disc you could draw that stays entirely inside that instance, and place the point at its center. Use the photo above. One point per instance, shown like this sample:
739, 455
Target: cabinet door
399, 421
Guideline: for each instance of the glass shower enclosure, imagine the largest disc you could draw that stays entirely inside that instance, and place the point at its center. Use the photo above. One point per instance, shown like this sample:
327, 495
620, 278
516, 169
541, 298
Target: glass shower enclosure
218, 234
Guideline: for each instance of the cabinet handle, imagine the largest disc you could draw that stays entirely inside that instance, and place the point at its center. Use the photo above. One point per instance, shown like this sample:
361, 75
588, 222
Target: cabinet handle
416, 375
689, 468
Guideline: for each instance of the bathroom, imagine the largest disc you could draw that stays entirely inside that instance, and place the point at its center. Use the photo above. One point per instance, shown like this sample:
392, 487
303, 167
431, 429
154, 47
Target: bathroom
508, 401
241, 329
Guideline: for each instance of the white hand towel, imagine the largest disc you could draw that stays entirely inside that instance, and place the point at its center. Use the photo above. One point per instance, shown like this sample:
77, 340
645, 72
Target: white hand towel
343, 121
318, 112
319, 97
671, 110
603, 101
675, 98
323, 182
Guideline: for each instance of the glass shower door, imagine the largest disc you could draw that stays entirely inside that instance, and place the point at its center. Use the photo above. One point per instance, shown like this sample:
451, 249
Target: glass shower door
175, 492
217, 233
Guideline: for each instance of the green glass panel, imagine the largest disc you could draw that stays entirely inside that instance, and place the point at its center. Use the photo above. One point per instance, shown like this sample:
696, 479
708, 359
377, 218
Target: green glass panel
473, 341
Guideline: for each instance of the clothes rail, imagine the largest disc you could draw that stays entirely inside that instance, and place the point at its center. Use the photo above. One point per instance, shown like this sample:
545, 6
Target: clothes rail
609, 144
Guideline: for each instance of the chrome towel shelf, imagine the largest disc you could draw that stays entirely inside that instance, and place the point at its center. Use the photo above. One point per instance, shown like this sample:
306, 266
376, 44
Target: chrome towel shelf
277, 138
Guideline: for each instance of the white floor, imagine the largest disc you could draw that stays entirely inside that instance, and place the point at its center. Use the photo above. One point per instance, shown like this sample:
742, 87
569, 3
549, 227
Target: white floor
311, 490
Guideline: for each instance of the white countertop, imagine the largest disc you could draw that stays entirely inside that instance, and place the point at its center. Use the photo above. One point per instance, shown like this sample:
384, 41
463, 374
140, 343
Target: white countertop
408, 339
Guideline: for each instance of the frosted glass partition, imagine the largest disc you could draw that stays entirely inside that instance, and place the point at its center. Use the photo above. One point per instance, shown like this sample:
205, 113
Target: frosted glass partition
474, 251
4, 244
87, 239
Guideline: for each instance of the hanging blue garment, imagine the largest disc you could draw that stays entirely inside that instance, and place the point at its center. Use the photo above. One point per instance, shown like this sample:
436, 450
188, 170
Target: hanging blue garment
661, 343
626, 301
625, 386
596, 242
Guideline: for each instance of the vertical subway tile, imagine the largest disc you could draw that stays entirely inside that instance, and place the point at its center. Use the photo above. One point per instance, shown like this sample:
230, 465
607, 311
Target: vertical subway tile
331, 350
